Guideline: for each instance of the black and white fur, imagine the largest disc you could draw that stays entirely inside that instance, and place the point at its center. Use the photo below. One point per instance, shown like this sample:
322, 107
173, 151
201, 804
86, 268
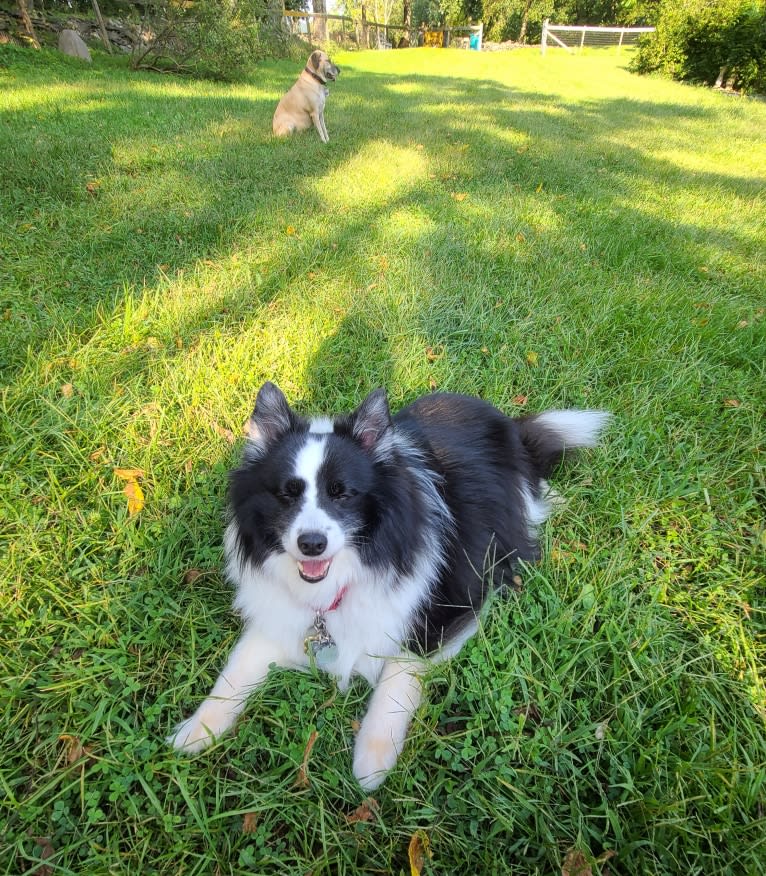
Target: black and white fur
408, 520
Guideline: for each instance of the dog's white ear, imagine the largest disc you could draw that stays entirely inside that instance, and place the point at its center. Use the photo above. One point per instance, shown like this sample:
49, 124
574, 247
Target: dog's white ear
371, 419
271, 417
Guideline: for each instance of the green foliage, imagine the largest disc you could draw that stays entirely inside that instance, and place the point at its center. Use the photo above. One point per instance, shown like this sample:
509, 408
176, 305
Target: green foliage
208, 37
515, 19
696, 39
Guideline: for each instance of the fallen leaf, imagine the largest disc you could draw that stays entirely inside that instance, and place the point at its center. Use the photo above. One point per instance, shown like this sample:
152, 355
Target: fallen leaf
521, 237
250, 822
485, 350
532, 358
432, 385
520, 399
67, 390
191, 575
179, 343
522, 149
459, 196
135, 497
731, 403
743, 323
92, 187
575, 864
365, 811
302, 781
418, 849
434, 353
530, 712
128, 474
224, 432
46, 851
290, 230
75, 749
355, 725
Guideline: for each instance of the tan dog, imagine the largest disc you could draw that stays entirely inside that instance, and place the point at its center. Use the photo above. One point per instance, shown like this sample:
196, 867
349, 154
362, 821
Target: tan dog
303, 105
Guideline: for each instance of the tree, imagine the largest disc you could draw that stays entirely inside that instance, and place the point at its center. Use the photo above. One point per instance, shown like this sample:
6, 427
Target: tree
27, 21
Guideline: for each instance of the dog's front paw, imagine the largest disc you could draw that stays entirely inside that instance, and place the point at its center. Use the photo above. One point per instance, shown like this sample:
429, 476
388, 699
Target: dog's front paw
208, 723
374, 756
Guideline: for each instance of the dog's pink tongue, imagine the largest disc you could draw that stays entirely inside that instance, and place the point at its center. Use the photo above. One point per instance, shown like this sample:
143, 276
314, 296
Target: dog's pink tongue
315, 568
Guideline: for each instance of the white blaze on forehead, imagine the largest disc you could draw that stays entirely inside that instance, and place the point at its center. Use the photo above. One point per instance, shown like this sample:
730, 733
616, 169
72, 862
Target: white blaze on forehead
307, 465
311, 517
320, 425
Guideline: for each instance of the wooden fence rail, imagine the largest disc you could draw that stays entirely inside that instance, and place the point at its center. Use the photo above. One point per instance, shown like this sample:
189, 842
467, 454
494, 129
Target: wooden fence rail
368, 34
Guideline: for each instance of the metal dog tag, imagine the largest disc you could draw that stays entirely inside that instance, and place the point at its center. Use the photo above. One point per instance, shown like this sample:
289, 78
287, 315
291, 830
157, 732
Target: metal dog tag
320, 645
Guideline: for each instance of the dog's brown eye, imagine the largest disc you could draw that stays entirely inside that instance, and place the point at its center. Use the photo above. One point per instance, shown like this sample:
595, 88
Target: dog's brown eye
336, 490
293, 488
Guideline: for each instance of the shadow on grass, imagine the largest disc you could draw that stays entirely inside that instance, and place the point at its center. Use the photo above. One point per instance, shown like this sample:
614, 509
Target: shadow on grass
203, 178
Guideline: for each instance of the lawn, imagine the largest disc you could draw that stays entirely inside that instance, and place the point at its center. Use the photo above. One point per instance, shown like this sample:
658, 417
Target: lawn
544, 232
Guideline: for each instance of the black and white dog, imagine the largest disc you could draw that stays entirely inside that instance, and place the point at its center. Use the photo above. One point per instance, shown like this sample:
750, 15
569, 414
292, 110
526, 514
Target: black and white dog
367, 544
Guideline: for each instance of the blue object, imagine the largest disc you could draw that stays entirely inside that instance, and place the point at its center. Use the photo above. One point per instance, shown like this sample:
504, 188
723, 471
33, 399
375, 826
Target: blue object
473, 41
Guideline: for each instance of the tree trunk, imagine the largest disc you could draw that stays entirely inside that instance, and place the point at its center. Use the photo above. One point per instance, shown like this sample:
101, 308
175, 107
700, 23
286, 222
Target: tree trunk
101, 26
28, 26
407, 15
320, 24
524, 22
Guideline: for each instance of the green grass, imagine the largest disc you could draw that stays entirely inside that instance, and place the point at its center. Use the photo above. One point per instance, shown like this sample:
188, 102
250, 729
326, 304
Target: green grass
162, 255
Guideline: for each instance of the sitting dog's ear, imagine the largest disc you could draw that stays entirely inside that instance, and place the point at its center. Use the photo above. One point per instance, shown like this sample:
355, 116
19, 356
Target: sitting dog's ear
271, 417
315, 59
371, 419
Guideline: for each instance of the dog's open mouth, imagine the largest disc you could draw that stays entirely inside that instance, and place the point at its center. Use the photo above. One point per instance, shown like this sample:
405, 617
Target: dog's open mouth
313, 570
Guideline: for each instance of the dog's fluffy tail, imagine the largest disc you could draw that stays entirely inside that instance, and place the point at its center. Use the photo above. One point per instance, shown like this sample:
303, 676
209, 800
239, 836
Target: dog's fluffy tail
550, 436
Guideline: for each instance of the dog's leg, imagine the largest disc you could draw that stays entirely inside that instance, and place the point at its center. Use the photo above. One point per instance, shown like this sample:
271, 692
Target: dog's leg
247, 666
316, 118
384, 728
324, 127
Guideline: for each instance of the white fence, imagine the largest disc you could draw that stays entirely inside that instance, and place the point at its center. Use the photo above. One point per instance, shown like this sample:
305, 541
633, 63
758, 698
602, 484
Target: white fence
573, 37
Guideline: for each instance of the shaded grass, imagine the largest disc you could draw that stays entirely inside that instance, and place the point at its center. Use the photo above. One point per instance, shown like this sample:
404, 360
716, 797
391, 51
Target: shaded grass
162, 256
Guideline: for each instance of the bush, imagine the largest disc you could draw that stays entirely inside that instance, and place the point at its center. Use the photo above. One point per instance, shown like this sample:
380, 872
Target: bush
696, 40
209, 38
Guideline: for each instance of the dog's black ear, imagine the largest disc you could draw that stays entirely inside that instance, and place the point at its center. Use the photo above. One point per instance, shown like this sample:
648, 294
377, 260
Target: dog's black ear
371, 419
315, 59
271, 417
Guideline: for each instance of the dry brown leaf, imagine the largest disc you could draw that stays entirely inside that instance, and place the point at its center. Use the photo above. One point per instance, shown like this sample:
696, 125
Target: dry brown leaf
191, 575
521, 237
92, 187
303, 776
355, 725
75, 749
520, 399
46, 851
129, 474
434, 353
250, 822
67, 390
225, 433
417, 851
532, 358
731, 403
575, 864
365, 811
459, 196
135, 497
432, 385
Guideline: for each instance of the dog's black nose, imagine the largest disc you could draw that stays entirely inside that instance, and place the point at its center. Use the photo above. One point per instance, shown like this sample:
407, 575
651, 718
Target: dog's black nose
311, 544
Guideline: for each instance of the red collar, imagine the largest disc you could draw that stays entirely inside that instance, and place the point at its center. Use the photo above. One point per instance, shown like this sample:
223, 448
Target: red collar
338, 600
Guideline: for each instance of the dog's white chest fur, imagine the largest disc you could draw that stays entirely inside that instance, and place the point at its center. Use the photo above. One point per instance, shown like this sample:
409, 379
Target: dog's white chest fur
368, 626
